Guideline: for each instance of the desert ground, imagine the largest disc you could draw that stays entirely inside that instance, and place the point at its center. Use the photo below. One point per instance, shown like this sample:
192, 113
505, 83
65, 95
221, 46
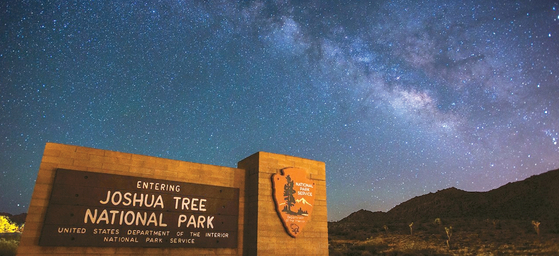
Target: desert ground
429, 237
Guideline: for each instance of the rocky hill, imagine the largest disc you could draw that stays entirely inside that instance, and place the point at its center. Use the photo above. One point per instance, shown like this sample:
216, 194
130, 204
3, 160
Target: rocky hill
364, 216
536, 198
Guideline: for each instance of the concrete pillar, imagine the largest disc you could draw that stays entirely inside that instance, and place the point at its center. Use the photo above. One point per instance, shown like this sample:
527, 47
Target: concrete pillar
264, 231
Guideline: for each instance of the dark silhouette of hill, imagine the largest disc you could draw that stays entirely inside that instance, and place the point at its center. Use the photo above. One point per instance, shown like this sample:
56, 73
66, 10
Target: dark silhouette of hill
362, 216
535, 198
18, 218
503, 221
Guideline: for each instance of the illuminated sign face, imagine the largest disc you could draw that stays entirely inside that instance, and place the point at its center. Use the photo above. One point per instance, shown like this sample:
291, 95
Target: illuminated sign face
105, 210
294, 197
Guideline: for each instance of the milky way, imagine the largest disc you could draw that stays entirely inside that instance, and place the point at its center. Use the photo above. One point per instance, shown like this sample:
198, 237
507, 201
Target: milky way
398, 98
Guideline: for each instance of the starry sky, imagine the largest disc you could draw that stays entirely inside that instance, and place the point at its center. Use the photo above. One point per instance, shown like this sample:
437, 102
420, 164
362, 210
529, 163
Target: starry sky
398, 98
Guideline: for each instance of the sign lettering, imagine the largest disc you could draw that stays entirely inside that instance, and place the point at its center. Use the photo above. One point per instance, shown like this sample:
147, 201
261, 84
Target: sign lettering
106, 210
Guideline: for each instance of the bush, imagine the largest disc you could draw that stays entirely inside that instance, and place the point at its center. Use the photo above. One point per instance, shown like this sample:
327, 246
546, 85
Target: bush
7, 226
8, 247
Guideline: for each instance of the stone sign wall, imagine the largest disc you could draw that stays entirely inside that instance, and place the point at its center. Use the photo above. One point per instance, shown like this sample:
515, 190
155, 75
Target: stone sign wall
265, 233
106, 210
90, 201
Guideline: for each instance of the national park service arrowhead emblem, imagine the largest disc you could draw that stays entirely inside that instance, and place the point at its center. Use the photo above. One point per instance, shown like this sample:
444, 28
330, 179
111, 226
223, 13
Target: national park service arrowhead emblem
294, 197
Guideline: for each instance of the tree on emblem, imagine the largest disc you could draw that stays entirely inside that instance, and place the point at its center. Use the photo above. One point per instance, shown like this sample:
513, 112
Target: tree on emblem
288, 193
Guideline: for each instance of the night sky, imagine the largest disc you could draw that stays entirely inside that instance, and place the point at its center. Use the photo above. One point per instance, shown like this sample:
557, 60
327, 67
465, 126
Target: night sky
398, 98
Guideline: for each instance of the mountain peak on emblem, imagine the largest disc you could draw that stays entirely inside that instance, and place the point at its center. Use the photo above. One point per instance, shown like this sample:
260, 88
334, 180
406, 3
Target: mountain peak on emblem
303, 201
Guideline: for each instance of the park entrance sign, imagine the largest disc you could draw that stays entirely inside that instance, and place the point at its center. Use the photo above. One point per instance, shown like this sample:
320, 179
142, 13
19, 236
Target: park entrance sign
107, 210
90, 201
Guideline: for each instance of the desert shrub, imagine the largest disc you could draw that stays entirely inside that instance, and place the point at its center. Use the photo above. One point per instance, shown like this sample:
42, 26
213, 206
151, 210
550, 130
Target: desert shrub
8, 247
370, 248
359, 235
373, 246
427, 251
418, 252
333, 252
7, 226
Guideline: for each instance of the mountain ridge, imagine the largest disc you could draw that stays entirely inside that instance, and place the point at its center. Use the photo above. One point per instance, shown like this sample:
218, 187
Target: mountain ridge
535, 198
17, 218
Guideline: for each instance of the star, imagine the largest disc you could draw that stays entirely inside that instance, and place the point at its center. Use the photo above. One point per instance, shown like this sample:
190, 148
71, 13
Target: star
398, 98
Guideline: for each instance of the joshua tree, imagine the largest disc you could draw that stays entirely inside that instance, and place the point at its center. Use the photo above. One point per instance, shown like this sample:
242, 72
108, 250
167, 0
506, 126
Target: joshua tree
448, 234
411, 228
496, 224
536, 226
385, 228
